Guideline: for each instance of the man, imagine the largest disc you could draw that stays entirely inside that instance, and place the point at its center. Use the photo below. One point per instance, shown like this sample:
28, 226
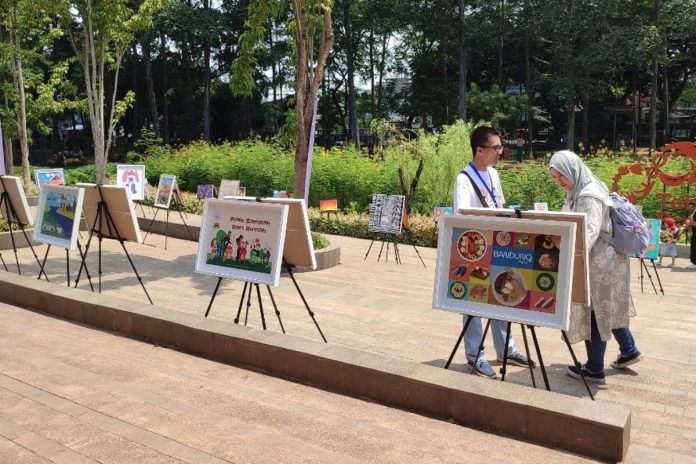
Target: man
486, 148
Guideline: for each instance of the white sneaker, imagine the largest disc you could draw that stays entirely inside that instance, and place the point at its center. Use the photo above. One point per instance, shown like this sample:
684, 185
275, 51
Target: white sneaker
691, 266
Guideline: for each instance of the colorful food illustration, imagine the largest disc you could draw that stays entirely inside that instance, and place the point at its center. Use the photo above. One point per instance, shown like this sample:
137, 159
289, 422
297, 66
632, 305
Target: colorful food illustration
503, 238
509, 288
546, 261
471, 245
477, 292
544, 302
545, 281
548, 242
523, 240
480, 272
458, 290
459, 270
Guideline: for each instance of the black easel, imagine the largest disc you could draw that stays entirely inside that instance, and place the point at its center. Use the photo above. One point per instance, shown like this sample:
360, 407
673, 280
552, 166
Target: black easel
395, 241
576, 363
647, 271
177, 201
104, 216
67, 264
12, 218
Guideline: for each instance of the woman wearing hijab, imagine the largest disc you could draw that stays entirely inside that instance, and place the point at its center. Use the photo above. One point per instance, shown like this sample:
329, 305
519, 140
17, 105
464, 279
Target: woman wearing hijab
610, 298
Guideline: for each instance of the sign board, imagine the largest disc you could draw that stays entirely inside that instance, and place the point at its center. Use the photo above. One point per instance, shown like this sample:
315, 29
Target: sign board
328, 206
242, 240
49, 177
120, 206
581, 269
132, 177
58, 216
386, 213
507, 269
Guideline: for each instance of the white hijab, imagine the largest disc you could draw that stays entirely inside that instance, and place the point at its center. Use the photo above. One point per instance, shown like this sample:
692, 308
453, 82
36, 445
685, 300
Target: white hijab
585, 184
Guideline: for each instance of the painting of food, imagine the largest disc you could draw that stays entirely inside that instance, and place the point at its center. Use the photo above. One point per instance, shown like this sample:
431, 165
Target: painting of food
480, 273
458, 290
548, 262
545, 281
509, 288
503, 238
471, 245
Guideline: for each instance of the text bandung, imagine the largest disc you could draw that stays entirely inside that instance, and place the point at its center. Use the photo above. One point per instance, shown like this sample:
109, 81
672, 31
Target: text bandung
519, 256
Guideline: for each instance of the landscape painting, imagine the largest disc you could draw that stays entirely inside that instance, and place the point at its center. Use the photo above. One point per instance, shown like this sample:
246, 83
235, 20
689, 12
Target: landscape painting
58, 216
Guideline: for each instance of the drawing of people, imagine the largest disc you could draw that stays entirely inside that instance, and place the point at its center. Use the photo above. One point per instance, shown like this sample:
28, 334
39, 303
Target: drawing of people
266, 256
133, 188
242, 249
226, 241
220, 236
228, 252
213, 249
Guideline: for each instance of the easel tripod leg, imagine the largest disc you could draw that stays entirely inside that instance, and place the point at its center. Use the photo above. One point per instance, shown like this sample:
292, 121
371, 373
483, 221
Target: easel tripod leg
275, 307
657, 274
309, 310
459, 341
505, 356
577, 363
43, 263
83, 257
368, 252
3, 263
526, 350
241, 302
248, 305
210, 305
258, 296
541, 360
647, 271
149, 228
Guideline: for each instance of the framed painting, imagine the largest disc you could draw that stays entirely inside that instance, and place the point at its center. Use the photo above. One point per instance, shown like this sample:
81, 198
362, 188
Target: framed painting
242, 240
58, 216
49, 177
386, 214
440, 211
204, 191
228, 188
132, 177
125, 223
19, 212
507, 269
165, 191
653, 250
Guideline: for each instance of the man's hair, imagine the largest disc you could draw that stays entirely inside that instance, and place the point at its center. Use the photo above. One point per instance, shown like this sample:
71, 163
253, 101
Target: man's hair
480, 136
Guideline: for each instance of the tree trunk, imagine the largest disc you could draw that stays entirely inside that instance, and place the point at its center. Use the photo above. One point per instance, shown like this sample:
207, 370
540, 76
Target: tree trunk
352, 110
570, 132
371, 42
461, 100
665, 106
151, 87
501, 45
134, 83
528, 82
165, 88
18, 74
382, 65
585, 121
206, 83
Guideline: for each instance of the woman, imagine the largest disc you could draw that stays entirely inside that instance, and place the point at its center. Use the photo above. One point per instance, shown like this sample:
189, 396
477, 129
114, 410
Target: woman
691, 223
610, 298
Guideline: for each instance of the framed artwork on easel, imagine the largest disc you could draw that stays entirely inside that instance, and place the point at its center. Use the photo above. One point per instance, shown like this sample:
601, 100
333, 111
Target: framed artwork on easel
228, 188
120, 209
49, 177
165, 191
132, 177
58, 216
242, 240
386, 214
507, 269
15, 207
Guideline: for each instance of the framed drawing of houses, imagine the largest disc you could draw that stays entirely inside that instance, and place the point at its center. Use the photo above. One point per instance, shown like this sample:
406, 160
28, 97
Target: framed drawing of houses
19, 212
132, 177
49, 177
228, 188
58, 216
386, 214
581, 269
242, 240
165, 190
120, 208
508, 269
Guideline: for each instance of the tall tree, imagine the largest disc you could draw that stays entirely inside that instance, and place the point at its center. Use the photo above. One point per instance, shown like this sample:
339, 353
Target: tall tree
313, 39
100, 32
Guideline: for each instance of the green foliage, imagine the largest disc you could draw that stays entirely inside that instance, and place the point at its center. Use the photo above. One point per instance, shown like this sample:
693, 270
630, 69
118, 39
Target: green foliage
319, 241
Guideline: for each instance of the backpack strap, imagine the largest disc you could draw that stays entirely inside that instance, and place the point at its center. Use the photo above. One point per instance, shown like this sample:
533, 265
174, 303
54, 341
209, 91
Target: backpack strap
476, 189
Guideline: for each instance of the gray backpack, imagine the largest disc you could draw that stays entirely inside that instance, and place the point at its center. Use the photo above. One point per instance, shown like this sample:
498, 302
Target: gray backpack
630, 233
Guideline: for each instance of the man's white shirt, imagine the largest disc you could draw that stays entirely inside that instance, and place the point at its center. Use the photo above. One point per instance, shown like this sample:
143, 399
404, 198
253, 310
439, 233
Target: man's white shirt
465, 195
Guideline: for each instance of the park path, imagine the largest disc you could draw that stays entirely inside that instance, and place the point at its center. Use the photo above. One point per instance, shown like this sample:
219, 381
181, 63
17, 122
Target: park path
385, 308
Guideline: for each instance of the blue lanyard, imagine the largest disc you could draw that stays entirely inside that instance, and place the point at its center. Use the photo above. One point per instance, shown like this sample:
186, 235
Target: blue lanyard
488, 189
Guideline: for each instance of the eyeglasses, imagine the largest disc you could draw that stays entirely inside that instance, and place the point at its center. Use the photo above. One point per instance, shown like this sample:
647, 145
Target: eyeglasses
497, 148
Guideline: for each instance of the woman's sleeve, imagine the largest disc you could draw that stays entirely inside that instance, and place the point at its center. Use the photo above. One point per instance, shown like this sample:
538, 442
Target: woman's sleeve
594, 209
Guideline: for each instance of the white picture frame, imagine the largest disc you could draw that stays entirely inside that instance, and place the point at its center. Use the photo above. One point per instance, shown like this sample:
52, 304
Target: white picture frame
228, 188
386, 213
165, 191
15, 195
58, 216
242, 240
491, 267
54, 176
132, 177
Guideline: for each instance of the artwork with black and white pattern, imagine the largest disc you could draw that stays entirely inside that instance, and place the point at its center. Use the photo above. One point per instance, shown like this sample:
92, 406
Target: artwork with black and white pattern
386, 213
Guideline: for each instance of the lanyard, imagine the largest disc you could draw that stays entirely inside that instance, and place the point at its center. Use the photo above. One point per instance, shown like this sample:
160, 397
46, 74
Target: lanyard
488, 189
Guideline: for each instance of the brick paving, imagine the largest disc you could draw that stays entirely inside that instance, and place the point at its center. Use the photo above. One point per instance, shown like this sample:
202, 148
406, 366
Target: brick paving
152, 402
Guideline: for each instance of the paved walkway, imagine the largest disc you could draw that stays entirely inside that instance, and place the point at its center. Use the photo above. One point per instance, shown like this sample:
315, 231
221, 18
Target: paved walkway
374, 306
